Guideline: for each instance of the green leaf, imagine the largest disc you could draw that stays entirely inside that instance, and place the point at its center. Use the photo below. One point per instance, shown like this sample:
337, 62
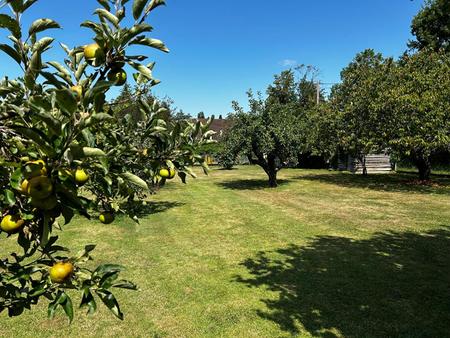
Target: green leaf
28, 4
68, 308
135, 180
9, 197
51, 79
62, 72
41, 289
53, 124
124, 284
66, 100
143, 70
110, 301
107, 268
51, 309
93, 152
182, 176
153, 4
80, 70
42, 44
17, 5
136, 30
42, 25
99, 117
59, 299
89, 301
108, 279
105, 4
108, 16
154, 43
67, 214
9, 23
11, 52
138, 7
99, 88
16, 179
38, 137
45, 231
65, 48
93, 26
83, 255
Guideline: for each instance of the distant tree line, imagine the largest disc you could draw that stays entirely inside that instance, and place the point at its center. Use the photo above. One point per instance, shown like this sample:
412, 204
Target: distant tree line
399, 106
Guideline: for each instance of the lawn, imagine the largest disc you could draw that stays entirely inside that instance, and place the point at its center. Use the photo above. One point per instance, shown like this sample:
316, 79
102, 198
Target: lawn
326, 254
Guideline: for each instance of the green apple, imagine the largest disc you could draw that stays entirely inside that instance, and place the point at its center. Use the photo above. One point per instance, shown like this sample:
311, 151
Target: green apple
40, 187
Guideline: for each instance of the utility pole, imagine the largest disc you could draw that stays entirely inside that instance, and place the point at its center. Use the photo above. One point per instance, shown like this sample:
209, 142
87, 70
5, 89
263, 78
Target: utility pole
318, 92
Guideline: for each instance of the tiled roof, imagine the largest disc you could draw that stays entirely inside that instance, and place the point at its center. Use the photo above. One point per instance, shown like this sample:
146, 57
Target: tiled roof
218, 125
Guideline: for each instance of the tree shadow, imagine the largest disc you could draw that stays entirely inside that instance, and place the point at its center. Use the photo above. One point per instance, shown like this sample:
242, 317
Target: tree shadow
383, 182
391, 285
136, 208
248, 184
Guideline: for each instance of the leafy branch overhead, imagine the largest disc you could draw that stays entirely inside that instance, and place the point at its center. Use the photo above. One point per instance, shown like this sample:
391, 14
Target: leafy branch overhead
65, 154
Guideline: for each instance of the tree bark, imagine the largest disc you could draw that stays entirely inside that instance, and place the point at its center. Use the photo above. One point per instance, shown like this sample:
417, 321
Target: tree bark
272, 179
272, 171
363, 160
423, 164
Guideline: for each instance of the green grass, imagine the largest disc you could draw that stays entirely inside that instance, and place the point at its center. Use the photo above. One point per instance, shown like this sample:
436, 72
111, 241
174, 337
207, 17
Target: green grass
326, 254
439, 171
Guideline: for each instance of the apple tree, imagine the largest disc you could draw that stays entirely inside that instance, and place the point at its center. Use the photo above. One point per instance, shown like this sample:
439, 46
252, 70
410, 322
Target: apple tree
414, 108
267, 134
63, 155
359, 124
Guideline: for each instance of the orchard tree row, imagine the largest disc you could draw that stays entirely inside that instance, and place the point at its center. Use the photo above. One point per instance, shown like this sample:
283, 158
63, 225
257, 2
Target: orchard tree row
63, 154
401, 107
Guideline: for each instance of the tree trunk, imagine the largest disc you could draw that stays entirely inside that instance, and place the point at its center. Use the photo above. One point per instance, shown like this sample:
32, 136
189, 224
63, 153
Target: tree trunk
424, 165
272, 171
363, 160
272, 178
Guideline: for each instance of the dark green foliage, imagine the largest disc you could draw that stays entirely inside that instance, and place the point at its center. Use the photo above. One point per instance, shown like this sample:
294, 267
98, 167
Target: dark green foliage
414, 107
431, 26
358, 126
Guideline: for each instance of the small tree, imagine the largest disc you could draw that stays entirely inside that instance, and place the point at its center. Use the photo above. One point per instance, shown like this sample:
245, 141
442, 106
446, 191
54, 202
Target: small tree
266, 134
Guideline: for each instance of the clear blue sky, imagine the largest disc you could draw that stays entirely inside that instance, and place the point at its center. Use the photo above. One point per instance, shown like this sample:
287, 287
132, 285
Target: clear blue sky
219, 49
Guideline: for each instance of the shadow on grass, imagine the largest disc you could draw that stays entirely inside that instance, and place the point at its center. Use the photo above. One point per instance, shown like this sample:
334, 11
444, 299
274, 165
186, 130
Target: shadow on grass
383, 182
136, 208
249, 184
391, 285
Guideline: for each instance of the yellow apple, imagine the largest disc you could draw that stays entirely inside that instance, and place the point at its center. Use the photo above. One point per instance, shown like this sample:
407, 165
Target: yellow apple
78, 91
24, 186
94, 54
61, 272
11, 223
35, 168
167, 173
106, 218
81, 177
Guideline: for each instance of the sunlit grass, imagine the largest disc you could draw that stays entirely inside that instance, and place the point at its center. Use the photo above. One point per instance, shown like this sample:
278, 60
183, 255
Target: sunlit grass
224, 256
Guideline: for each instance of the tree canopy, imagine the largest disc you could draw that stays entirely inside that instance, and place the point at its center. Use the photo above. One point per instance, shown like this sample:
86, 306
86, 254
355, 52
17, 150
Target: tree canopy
431, 26
414, 107
268, 134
